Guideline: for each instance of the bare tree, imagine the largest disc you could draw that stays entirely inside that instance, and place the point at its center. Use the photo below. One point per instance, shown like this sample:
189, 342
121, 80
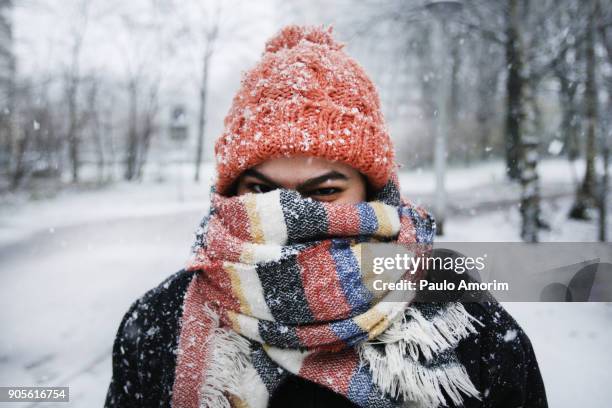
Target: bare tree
132, 131
72, 86
515, 84
486, 88
586, 195
205, 24
149, 127
94, 121
605, 35
142, 86
210, 37
7, 85
36, 143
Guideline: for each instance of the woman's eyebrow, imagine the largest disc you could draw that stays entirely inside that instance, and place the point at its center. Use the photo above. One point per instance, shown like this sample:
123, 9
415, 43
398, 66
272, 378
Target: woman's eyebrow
315, 181
261, 177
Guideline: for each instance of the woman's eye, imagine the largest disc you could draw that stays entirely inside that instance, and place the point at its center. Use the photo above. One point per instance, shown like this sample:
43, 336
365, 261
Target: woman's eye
324, 191
260, 188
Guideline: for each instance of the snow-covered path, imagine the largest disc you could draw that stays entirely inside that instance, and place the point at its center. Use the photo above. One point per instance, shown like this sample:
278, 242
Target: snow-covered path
67, 280
572, 344
63, 294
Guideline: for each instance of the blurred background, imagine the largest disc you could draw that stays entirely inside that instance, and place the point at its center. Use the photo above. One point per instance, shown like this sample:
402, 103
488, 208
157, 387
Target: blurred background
500, 111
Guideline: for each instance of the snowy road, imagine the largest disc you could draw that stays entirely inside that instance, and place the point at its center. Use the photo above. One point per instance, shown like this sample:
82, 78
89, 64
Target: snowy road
64, 292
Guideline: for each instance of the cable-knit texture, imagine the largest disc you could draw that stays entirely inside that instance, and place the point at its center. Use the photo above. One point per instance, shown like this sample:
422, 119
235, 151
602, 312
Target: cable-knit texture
305, 97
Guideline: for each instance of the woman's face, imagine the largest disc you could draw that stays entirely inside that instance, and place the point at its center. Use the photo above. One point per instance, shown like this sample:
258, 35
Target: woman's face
313, 177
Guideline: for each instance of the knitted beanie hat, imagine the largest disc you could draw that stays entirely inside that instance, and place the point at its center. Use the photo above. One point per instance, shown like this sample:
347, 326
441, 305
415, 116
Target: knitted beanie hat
306, 96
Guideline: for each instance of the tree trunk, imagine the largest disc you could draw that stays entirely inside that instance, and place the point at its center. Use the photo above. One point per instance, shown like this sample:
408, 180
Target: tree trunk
147, 133
586, 195
603, 198
202, 112
441, 52
603, 193
454, 96
96, 131
514, 90
569, 118
73, 130
132, 136
19, 167
528, 162
7, 114
485, 113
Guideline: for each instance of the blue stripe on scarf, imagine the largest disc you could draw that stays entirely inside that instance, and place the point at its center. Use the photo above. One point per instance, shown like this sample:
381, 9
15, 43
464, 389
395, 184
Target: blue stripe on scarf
364, 393
349, 274
348, 331
424, 228
360, 386
368, 224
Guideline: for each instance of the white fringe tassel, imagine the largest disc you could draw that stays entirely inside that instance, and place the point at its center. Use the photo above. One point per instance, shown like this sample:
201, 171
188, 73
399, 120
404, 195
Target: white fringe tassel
397, 372
399, 377
430, 336
226, 367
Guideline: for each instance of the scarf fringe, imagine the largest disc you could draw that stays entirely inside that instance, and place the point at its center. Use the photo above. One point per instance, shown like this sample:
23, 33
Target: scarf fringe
227, 364
411, 381
429, 337
396, 370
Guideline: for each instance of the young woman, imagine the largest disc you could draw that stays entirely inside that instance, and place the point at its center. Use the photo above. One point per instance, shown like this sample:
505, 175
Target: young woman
273, 309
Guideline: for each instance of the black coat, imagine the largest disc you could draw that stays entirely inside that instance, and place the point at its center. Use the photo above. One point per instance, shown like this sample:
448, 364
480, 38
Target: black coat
144, 358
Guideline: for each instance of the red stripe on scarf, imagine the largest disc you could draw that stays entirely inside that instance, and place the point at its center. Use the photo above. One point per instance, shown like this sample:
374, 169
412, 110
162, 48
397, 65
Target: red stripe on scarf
320, 336
321, 283
193, 350
221, 244
332, 370
219, 287
342, 220
407, 232
235, 215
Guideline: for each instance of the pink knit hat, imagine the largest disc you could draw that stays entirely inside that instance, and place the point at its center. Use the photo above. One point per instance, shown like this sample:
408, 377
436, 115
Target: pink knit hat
305, 97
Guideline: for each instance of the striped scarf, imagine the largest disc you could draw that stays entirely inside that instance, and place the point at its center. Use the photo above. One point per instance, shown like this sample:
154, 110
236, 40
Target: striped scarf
279, 291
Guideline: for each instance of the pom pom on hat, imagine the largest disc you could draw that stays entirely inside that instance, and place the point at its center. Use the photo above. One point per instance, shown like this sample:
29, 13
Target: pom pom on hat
305, 96
291, 36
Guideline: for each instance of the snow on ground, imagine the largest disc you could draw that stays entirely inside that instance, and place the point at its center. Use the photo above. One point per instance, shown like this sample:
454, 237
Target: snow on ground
63, 294
572, 345
20, 218
70, 267
503, 224
550, 171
